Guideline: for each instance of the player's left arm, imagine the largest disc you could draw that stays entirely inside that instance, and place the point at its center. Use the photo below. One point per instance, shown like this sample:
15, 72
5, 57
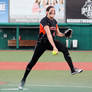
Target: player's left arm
58, 33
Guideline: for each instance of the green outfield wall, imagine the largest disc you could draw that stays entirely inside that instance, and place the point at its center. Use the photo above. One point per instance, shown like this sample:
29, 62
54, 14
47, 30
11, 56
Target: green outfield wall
30, 31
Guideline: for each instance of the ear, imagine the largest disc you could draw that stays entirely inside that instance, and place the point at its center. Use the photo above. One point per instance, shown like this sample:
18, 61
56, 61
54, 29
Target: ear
46, 13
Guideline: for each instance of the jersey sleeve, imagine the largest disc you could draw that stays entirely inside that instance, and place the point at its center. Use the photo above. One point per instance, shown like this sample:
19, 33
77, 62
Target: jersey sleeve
44, 22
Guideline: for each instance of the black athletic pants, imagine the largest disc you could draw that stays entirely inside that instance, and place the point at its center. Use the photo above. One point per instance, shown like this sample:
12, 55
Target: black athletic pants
43, 45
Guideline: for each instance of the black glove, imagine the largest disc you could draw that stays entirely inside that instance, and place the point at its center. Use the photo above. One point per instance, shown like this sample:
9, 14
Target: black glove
68, 33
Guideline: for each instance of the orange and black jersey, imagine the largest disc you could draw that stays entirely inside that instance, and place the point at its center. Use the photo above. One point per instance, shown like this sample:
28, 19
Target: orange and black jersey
52, 25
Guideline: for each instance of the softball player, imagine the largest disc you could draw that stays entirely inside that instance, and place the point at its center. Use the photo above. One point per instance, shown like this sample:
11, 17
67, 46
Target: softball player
46, 41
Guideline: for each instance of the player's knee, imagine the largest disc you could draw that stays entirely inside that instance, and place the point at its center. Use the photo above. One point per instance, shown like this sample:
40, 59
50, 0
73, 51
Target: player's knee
66, 53
30, 65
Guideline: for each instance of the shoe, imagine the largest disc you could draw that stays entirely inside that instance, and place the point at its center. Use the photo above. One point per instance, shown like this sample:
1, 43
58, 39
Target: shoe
21, 85
77, 71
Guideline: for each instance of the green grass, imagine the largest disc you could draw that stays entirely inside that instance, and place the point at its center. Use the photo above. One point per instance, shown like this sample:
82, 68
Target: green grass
25, 56
51, 81
46, 81
48, 77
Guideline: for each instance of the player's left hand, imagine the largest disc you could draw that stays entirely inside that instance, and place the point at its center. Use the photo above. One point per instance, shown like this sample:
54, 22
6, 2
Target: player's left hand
68, 33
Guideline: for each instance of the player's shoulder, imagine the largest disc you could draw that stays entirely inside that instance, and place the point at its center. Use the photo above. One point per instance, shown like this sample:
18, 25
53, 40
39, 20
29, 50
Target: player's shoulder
43, 19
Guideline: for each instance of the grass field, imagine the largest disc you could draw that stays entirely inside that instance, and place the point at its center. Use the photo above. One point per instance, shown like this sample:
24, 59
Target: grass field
46, 80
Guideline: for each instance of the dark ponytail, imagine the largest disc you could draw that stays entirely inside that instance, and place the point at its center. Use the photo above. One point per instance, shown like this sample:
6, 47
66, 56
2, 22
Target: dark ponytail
49, 7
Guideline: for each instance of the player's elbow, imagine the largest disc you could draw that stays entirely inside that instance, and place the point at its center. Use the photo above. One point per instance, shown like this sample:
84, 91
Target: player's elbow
60, 34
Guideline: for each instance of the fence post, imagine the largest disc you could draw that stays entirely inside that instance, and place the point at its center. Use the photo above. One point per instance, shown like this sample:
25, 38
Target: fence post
17, 37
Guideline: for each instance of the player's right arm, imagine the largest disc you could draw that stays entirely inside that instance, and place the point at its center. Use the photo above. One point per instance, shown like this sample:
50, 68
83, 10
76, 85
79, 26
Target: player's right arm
50, 38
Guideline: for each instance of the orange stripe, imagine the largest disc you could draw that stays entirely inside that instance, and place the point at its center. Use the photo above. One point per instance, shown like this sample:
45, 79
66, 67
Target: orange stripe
45, 66
56, 26
42, 29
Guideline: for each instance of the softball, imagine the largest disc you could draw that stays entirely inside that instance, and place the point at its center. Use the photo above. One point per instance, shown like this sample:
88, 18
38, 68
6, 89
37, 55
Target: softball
54, 52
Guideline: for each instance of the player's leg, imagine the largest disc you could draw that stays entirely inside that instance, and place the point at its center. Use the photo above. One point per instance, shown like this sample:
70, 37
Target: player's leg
63, 49
39, 50
67, 57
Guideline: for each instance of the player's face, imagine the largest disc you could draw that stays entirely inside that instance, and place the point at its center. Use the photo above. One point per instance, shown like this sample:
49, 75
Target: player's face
51, 13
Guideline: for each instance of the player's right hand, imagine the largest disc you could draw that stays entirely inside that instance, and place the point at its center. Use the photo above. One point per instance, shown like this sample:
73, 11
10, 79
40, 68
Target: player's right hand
55, 49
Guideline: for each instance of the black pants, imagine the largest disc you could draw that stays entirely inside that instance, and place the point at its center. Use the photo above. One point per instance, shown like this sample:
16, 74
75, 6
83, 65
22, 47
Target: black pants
43, 45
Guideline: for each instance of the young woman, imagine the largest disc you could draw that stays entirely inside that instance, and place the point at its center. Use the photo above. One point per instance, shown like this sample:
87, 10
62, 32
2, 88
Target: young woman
48, 30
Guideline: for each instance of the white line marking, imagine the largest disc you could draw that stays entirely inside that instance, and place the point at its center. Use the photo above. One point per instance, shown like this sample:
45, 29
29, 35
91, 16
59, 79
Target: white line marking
50, 86
70, 86
11, 89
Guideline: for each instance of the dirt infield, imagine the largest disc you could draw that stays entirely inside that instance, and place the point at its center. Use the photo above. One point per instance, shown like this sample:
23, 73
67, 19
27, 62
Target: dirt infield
1, 83
44, 65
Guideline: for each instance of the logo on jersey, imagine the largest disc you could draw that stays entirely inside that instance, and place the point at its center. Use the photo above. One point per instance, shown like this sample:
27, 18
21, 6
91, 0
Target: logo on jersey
87, 9
53, 28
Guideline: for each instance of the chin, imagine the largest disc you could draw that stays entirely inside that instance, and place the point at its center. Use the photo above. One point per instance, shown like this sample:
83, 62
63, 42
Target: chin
52, 17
